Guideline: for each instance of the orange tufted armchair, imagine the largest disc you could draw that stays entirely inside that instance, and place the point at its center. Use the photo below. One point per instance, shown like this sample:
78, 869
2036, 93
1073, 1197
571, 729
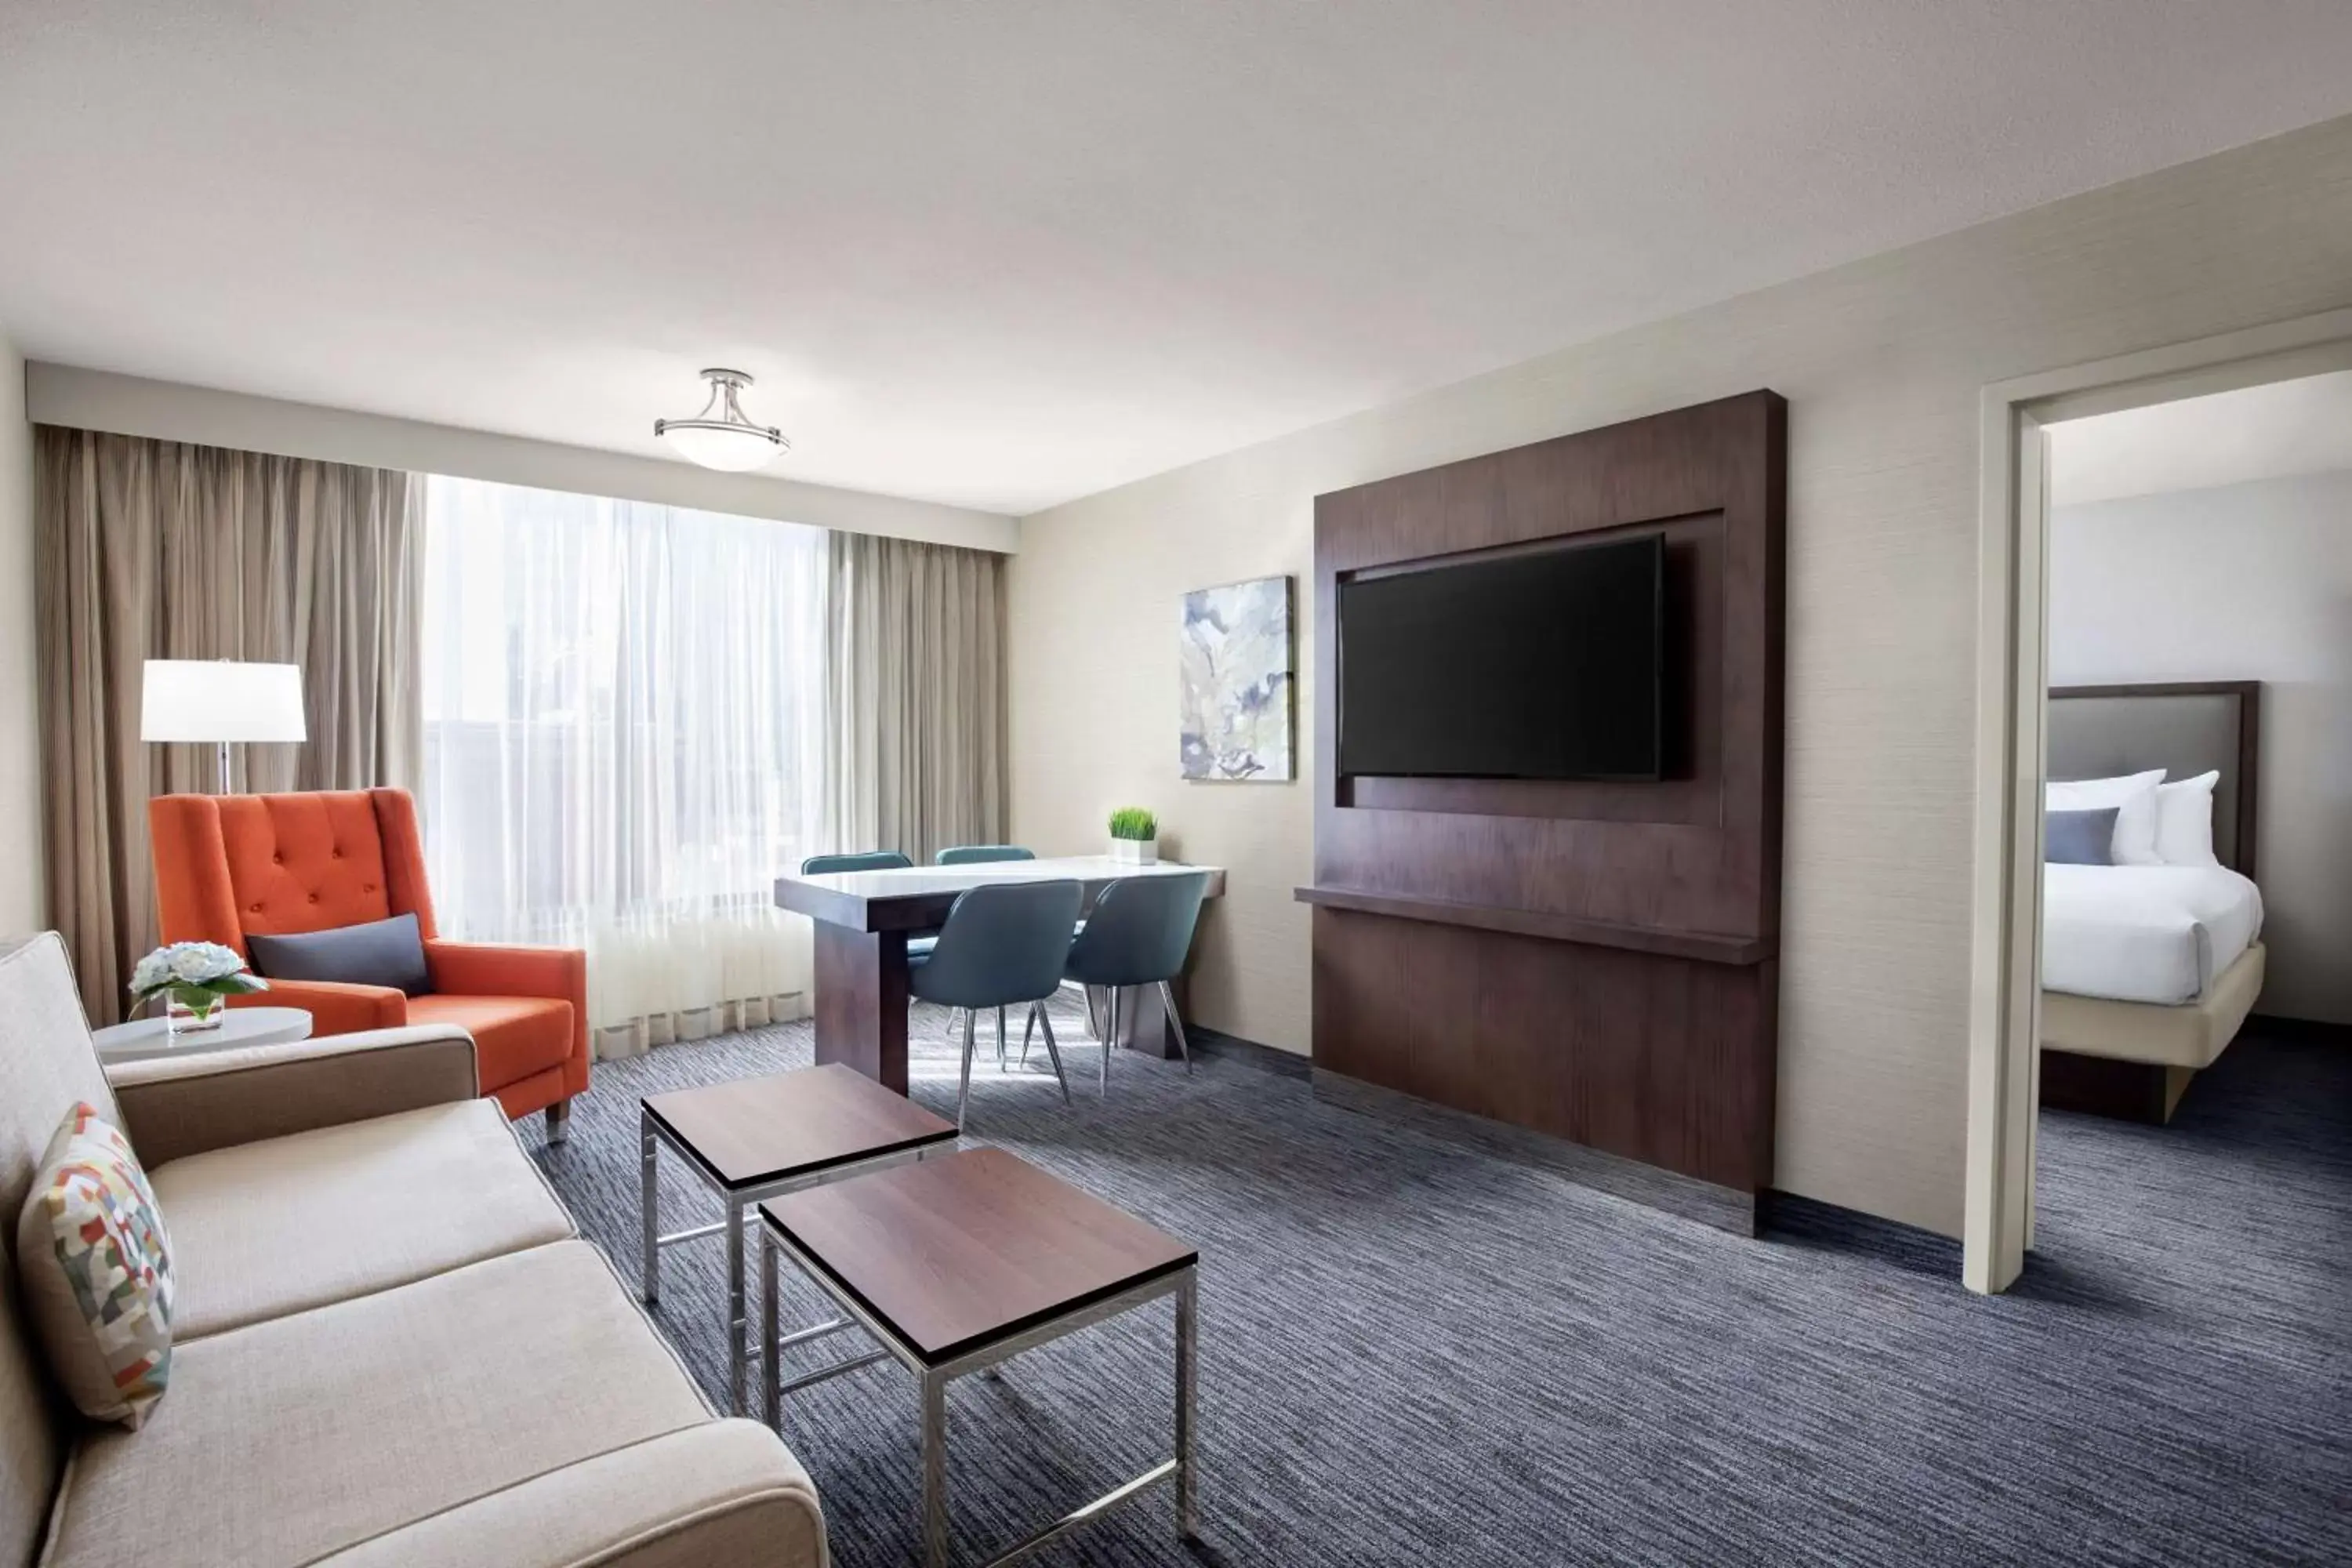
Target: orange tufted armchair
280, 864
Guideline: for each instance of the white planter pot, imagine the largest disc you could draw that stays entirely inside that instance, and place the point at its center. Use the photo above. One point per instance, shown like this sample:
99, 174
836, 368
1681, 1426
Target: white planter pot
1136, 851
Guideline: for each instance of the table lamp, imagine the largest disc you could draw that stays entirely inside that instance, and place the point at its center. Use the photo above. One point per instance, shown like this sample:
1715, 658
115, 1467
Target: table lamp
222, 701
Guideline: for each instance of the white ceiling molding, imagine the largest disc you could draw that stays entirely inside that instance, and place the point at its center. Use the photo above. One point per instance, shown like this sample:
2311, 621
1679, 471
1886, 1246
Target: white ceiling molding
132, 405
2272, 431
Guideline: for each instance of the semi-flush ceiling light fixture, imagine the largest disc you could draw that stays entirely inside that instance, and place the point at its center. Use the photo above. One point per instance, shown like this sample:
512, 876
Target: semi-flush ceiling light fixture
722, 435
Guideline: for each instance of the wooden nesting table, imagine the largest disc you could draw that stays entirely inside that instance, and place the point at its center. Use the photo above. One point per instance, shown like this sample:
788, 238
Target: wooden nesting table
757, 1137
963, 1261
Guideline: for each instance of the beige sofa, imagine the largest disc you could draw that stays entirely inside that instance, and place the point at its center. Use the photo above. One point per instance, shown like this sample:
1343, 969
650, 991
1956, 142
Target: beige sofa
390, 1345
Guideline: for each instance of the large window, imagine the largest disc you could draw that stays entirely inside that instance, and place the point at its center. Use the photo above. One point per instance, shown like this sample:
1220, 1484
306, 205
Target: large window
623, 723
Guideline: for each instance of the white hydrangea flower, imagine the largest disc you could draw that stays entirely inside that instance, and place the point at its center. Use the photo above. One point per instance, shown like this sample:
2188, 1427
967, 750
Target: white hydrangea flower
152, 971
190, 964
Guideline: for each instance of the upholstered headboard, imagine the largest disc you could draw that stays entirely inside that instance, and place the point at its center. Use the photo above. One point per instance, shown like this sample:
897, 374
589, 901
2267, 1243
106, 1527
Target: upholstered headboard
2185, 728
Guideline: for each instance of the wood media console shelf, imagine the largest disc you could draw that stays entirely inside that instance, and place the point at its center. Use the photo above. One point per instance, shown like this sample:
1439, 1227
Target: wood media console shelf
1589, 961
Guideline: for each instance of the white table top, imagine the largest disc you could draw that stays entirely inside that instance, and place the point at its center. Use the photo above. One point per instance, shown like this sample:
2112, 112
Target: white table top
142, 1038
909, 881
917, 897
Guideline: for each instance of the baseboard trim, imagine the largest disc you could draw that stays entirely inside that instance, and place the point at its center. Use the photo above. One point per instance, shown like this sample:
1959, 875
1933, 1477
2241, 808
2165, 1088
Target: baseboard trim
1208, 1042
1669, 1192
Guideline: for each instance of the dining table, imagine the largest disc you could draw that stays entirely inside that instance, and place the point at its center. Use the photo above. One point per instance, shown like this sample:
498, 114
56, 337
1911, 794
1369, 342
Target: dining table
864, 920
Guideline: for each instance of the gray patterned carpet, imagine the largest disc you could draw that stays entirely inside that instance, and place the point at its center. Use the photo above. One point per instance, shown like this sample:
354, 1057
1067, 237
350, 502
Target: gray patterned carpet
1419, 1354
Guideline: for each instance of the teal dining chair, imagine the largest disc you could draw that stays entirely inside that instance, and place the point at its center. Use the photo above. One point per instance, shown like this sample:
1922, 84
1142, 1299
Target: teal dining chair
1138, 935
1004, 945
981, 853
861, 860
974, 855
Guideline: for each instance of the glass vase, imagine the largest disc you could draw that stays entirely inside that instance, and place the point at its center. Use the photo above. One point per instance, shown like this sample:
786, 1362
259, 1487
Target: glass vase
181, 1018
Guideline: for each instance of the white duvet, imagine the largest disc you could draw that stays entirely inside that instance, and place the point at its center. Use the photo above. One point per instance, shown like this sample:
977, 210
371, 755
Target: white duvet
2144, 934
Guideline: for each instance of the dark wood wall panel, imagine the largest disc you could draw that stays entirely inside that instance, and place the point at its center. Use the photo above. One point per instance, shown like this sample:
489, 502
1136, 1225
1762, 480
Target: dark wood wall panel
1637, 1055
1690, 853
1594, 961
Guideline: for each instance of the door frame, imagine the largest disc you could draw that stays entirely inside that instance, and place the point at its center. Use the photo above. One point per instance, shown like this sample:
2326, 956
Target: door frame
2012, 703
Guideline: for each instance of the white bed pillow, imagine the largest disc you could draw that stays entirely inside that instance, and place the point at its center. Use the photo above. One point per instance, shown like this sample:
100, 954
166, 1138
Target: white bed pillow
2134, 798
2184, 821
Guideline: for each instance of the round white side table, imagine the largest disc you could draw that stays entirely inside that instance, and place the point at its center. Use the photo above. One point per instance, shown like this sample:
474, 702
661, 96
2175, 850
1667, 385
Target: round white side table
144, 1037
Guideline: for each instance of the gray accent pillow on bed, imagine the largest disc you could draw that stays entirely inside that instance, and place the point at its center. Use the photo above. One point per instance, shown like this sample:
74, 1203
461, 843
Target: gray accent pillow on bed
2079, 837
381, 953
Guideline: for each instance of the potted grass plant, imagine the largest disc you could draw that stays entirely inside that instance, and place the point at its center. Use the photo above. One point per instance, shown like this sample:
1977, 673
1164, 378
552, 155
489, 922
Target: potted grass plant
1134, 835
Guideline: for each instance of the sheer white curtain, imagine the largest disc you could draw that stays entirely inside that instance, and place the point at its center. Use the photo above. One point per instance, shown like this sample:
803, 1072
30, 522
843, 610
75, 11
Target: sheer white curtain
624, 740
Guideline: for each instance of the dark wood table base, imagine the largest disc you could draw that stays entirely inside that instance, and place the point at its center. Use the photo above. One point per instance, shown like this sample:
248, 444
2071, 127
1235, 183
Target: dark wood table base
863, 921
861, 1002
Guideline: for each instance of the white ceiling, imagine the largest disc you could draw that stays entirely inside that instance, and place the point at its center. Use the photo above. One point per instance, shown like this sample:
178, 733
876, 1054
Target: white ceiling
1003, 253
2302, 426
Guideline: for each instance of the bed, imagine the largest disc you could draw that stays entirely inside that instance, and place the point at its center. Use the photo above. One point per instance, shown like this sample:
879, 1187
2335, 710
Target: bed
2149, 971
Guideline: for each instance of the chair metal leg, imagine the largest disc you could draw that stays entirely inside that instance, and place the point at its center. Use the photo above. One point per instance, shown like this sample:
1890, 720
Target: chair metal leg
1110, 1042
1054, 1051
952, 1013
1028, 1028
963, 1096
1000, 1039
1183, 1048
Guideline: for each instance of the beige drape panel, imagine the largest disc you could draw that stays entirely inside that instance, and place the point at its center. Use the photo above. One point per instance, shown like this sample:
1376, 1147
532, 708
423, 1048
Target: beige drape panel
915, 710
161, 550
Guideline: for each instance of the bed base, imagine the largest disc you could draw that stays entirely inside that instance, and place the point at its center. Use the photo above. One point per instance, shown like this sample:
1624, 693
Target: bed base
2102, 1086
2134, 1059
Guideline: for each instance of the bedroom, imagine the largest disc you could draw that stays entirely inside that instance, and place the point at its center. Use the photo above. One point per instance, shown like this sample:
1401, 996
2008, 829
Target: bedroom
2197, 894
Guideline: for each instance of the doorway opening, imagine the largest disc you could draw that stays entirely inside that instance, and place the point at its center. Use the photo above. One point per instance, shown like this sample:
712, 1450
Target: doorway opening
2060, 707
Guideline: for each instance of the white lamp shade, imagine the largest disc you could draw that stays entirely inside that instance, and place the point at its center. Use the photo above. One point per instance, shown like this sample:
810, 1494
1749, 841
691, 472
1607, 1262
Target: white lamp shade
220, 700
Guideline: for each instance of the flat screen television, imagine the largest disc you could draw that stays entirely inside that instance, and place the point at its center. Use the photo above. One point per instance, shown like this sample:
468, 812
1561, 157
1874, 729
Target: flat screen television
1540, 665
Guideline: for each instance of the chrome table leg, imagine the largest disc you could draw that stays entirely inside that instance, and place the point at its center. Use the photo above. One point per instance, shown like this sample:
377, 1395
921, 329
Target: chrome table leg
1187, 1513
771, 1398
735, 1317
935, 1470
648, 1204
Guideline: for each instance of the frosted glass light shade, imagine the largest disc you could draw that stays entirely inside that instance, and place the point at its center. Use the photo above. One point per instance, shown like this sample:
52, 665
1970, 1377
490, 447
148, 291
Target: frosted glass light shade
722, 435
220, 700
734, 449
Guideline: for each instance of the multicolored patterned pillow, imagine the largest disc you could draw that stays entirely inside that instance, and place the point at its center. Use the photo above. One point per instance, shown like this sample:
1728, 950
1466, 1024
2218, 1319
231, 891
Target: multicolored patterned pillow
97, 1270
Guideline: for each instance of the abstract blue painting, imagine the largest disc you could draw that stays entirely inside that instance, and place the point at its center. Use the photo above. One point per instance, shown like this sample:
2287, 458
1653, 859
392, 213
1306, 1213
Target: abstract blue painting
1237, 681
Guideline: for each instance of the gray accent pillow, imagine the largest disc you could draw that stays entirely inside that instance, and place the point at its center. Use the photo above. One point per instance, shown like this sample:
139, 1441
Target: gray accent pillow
381, 953
2079, 837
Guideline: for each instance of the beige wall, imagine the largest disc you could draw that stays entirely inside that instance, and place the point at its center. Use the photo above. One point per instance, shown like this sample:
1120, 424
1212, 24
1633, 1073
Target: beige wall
2249, 582
1881, 362
20, 780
